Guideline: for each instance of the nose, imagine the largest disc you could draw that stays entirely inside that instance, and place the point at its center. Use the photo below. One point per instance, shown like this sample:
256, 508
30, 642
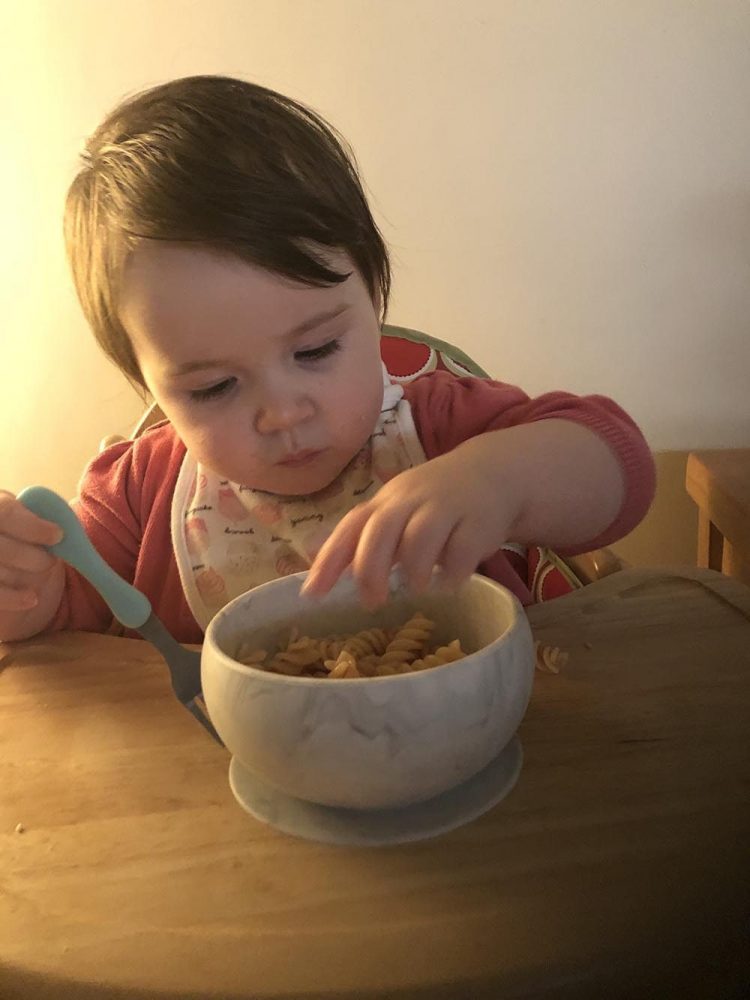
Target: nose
281, 410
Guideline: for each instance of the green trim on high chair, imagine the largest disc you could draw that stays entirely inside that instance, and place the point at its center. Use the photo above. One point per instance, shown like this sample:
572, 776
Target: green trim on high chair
417, 337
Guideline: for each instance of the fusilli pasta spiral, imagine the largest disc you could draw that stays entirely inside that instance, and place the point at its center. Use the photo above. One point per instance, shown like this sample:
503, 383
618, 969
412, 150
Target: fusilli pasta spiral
409, 641
370, 653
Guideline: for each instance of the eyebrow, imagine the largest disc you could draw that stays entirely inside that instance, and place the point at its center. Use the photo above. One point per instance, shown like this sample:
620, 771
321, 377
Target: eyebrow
305, 327
318, 320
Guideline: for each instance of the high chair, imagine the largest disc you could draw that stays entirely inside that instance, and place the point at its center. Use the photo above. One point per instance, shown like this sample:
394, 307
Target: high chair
408, 354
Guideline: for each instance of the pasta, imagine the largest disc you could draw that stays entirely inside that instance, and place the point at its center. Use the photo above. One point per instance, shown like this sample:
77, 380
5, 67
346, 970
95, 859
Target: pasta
443, 654
549, 659
299, 654
410, 640
374, 653
370, 653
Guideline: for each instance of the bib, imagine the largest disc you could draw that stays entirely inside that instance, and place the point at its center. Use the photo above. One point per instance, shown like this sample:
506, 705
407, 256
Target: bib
229, 538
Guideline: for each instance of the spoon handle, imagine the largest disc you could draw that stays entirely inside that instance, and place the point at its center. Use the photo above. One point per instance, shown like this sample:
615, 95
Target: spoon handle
127, 604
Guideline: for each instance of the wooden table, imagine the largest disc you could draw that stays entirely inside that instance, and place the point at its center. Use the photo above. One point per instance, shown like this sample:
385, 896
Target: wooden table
719, 482
618, 866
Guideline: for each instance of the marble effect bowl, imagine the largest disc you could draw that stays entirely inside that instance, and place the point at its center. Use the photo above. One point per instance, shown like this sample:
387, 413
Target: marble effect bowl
370, 743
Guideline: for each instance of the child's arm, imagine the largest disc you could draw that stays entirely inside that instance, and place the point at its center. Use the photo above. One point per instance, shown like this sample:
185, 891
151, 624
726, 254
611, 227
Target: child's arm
31, 580
560, 480
563, 471
456, 510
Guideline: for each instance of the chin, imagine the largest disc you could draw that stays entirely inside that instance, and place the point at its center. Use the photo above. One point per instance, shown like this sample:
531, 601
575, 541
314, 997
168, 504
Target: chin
305, 487
299, 484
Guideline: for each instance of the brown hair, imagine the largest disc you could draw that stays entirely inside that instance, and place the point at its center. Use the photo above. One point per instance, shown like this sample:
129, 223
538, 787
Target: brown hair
225, 164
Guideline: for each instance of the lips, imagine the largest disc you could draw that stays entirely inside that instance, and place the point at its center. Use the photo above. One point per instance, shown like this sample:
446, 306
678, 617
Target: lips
299, 458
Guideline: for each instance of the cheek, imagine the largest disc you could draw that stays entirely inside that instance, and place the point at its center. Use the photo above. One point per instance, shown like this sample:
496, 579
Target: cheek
356, 402
204, 440
363, 391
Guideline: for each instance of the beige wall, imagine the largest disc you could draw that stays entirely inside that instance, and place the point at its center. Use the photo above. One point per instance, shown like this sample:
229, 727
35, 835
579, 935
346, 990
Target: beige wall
564, 186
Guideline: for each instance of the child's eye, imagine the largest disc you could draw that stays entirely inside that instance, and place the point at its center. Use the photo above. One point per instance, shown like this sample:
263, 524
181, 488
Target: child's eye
212, 391
318, 353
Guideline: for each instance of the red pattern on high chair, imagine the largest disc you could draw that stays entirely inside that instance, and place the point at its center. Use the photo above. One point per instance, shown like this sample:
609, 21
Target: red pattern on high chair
545, 574
406, 360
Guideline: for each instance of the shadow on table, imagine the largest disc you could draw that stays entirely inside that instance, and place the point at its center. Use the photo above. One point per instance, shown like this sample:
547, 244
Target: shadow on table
17, 985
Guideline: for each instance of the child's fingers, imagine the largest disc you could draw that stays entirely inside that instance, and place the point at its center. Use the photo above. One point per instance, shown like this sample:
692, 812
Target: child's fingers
23, 557
460, 556
17, 599
376, 552
423, 539
336, 553
19, 522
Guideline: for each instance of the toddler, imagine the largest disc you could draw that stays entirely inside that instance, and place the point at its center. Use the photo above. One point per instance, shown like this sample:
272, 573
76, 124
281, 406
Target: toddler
226, 259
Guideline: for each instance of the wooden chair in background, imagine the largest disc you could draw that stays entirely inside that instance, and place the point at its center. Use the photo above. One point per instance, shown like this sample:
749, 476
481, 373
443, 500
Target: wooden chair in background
719, 483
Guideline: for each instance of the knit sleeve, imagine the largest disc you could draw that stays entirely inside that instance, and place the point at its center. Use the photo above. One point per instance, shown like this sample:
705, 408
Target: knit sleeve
449, 410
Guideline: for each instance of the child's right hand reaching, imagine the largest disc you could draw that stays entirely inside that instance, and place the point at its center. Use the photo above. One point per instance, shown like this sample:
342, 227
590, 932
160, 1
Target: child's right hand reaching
31, 578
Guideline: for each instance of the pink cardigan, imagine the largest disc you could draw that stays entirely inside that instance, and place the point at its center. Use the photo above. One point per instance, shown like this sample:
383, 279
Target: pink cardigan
125, 494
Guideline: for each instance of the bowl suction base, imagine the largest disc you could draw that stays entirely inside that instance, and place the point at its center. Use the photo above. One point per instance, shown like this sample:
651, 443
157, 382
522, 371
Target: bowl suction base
379, 827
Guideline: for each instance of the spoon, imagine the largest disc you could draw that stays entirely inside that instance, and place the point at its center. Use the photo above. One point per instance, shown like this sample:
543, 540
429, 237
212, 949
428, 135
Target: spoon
127, 604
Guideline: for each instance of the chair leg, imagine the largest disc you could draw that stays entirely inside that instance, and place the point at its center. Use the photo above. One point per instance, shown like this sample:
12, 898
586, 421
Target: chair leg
710, 543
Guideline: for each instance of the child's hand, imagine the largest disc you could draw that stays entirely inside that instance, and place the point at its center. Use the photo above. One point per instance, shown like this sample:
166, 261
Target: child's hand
30, 577
442, 513
552, 482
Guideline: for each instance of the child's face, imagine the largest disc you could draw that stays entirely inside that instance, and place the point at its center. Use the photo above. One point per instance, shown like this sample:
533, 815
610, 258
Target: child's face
269, 383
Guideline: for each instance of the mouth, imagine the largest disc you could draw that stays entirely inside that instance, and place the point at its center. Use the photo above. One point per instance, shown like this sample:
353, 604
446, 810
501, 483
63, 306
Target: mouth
299, 458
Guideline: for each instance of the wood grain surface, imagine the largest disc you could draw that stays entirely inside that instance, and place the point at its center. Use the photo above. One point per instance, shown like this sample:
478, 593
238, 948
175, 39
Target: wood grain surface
618, 866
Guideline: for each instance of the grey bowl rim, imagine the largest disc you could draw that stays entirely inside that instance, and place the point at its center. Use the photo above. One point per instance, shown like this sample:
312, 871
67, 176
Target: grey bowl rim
248, 670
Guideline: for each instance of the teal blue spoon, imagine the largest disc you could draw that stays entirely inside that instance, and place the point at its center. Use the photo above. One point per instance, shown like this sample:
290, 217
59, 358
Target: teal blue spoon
127, 604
